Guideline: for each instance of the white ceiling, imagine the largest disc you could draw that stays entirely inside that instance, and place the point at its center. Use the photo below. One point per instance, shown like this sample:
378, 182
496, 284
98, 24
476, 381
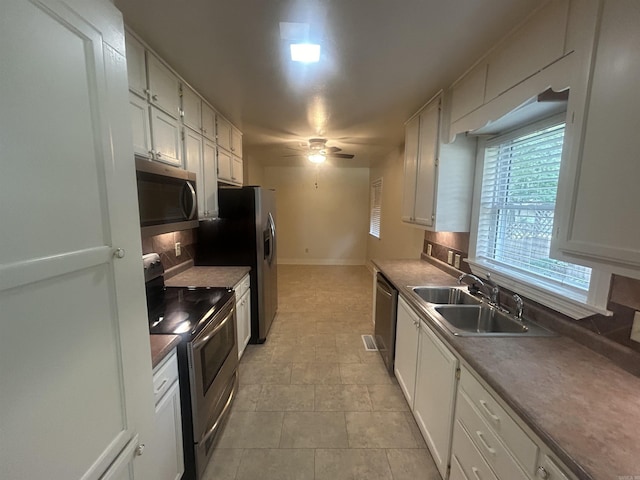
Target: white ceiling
381, 60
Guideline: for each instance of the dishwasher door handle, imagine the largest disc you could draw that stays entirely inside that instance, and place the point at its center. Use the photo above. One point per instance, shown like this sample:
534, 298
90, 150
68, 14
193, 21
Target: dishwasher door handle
382, 288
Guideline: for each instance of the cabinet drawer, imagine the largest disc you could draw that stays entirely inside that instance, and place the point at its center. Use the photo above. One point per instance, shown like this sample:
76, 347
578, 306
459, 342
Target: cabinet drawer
242, 286
551, 469
164, 376
486, 441
520, 445
466, 461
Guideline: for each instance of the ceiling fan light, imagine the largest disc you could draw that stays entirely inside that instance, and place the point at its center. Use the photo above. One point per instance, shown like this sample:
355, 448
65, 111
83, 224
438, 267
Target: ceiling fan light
317, 157
305, 52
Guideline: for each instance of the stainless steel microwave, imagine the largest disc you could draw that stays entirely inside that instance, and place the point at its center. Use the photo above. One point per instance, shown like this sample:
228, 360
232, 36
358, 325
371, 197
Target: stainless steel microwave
166, 198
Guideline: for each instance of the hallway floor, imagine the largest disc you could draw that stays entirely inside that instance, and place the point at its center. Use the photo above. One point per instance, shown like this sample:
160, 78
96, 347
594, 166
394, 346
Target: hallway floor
312, 402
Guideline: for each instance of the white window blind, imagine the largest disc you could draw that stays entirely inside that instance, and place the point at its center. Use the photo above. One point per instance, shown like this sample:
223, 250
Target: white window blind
519, 186
376, 208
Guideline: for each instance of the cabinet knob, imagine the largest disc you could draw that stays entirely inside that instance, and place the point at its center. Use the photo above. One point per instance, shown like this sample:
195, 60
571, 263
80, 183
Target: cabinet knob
154, 98
158, 154
119, 253
542, 473
140, 450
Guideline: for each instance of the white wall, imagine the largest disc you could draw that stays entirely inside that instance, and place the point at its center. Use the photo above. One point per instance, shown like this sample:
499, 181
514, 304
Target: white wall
397, 239
327, 225
253, 170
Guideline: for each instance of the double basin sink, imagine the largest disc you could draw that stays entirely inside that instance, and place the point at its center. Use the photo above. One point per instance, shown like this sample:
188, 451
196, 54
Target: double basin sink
465, 315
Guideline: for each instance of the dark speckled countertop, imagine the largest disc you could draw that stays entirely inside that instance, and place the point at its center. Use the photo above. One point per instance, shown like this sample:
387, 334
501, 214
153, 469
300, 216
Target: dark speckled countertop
161, 346
583, 406
208, 277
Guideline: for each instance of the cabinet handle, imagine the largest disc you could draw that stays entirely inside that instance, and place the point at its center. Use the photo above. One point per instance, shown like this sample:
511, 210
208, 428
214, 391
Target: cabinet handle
492, 415
542, 473
492, 451
140, 450
161, 386
475, 473
154, 98
158, 154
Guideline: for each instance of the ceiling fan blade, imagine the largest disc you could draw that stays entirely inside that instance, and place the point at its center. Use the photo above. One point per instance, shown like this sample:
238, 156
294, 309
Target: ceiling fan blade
333, 150
340, 155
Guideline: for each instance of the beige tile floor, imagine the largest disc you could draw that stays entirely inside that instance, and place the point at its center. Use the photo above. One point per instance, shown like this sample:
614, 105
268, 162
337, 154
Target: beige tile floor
312, 403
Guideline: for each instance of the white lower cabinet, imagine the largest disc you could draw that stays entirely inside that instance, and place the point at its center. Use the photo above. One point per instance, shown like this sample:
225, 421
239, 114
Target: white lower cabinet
426, 371
167, 450
466, 461
243, 313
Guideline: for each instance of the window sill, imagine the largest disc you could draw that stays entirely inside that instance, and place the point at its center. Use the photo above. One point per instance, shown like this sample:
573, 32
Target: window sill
550, 294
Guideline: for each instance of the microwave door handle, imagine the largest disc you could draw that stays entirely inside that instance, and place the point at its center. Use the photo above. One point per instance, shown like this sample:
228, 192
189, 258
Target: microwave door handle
194, 201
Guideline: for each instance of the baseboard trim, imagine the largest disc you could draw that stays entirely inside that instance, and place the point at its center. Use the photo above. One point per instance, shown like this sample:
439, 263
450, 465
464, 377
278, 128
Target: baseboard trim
321, 261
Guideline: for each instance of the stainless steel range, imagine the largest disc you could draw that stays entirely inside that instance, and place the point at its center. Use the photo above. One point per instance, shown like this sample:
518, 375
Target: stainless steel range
205, 318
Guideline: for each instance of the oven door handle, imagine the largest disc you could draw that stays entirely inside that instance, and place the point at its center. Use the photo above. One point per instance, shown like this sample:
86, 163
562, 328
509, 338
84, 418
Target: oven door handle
200, 341
216, 425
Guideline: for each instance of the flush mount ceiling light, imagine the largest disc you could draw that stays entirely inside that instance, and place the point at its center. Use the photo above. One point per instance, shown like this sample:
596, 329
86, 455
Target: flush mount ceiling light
317, 157
305, 52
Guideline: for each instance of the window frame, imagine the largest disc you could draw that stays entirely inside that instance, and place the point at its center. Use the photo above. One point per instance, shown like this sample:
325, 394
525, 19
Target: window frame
568, 300
376, 184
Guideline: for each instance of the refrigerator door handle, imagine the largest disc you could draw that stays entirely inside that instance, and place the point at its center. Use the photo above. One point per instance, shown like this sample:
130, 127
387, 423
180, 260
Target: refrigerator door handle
272, 237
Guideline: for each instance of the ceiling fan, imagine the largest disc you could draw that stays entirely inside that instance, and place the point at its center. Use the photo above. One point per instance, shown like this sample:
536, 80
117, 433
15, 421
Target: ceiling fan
317, 151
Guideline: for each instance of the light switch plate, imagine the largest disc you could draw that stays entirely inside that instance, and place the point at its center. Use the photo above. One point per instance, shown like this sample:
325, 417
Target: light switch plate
456, 261
635, 329
429, 249
450, 257
178, 249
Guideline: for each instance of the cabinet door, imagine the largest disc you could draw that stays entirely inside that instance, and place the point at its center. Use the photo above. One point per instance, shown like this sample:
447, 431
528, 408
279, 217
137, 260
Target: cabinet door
244, 321
140, 130
435, 395
236, 142
191, 109
225, 166
210, 174
223, 133
208, 122
406, 349
168, 454
597, 217
166, 138
136, 68
426, 183
412, 133
74, 348
237, 175
193, 161
164, 87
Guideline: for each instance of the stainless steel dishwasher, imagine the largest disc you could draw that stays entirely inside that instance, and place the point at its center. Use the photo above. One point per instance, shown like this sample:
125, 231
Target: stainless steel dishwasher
385, 330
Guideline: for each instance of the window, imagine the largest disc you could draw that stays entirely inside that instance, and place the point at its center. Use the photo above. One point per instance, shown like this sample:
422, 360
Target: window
376, 208
515, 207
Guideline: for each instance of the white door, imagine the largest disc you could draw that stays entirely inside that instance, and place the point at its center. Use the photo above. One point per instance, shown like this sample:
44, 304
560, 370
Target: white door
435, 395
136, 67
224, 166
208, 122
75, 365
193, 163
210, 179
192, 109
164, 87
406, 349
223, 133
166, 138
140, 130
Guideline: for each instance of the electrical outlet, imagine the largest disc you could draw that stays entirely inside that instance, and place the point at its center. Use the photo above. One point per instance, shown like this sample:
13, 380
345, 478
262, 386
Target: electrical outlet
456, 261
429, 249
635, 329
450, 257
178, 249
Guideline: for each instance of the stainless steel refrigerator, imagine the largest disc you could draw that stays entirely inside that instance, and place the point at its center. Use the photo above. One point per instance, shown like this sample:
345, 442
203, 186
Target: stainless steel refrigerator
245, 235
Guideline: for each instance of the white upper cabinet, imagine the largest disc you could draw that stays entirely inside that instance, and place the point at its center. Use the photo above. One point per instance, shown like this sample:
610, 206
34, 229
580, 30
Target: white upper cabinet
537, 44
164, 87
77, 396
166, 138
223, 133
140, 129
236, 142
208, 122
191, 109
597, 217
438, 177
136, 66
210, 179
225, 166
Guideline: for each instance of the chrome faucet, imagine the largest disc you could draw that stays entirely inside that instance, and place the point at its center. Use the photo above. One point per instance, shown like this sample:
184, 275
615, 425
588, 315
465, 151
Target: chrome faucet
519, 306
488, 284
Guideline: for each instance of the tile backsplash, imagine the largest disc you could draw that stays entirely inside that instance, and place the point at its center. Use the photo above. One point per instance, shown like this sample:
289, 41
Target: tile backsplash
624, 300
164, 245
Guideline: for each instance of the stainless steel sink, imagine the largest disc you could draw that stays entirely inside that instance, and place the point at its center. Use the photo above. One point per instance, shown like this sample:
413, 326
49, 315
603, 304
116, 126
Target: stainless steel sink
484, 320
445, 296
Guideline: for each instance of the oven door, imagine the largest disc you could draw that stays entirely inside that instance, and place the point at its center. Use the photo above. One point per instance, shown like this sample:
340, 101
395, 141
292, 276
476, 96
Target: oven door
213, 360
